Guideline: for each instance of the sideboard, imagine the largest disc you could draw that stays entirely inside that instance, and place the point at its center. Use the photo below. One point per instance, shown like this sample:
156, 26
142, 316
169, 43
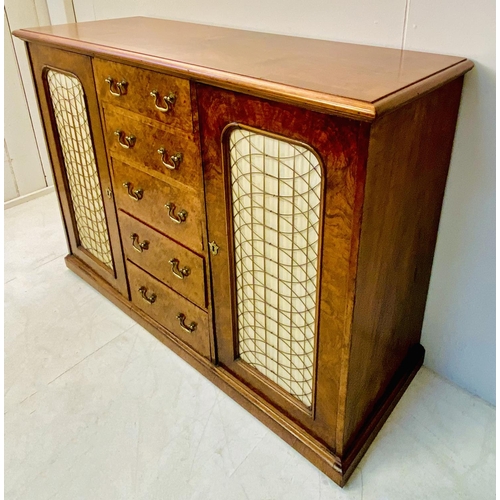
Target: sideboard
267, 206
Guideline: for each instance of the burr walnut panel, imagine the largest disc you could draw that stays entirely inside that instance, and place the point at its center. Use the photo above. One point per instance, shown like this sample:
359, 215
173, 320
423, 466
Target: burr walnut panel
164, 152
172, 210
339, 144
188, 322
76, 147
161, 257
130, 87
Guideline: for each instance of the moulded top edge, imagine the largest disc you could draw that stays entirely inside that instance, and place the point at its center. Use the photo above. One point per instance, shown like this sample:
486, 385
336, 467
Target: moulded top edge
357, 81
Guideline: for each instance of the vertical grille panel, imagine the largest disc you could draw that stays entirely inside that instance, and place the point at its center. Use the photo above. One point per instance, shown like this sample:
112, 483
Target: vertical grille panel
71, 117
276, 201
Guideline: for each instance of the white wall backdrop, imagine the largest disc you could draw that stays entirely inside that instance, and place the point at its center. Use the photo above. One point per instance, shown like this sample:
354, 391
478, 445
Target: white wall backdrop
459, 326
26, 160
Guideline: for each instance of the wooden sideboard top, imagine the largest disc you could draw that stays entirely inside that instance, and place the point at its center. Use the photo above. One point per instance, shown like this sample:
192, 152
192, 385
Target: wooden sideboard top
358, 81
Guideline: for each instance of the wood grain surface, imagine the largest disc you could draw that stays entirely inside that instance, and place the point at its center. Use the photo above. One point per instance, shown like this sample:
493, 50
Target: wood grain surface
149, 138
151, 209
341, 145
137, 98
287, 68
156, 256
43, 58
407, 167
166, 308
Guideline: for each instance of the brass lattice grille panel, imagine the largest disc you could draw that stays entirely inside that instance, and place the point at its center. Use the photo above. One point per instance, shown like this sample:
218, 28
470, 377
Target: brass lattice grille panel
70, 112
276, 199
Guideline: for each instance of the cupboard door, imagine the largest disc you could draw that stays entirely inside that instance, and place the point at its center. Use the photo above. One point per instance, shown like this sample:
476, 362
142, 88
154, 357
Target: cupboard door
280, 188
67, 100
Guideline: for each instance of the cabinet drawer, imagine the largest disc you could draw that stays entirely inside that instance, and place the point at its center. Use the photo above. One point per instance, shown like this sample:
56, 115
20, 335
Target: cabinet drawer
153, 148
177, 212
136, 93
165, 259
186, 321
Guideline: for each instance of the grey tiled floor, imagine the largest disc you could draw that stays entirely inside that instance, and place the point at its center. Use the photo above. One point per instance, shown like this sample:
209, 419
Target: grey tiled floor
98, 409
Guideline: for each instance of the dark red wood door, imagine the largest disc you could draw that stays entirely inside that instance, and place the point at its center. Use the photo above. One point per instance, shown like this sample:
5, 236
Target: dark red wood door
281, 191
68, 103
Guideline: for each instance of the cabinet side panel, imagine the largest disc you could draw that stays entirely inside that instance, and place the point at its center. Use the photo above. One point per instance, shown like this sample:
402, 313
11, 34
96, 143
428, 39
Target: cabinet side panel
408, 160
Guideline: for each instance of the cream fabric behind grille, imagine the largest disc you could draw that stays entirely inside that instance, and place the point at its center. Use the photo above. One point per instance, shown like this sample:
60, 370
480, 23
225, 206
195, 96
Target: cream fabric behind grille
276, 189
72, 124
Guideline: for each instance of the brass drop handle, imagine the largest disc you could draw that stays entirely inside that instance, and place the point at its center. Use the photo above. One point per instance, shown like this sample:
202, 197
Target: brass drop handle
116, 88
175, 159
138, 247
135, 194
151, 299
188, 328
182, 273
180, 217
125, 141
168, 100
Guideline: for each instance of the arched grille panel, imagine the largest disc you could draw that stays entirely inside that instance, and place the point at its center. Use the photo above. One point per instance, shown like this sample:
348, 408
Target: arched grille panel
71, 117
276, 201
